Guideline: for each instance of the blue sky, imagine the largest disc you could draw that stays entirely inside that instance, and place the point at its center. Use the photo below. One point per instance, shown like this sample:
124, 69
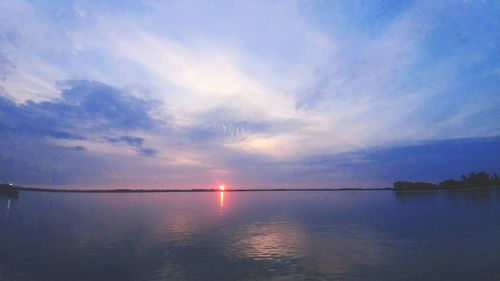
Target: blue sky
250, 93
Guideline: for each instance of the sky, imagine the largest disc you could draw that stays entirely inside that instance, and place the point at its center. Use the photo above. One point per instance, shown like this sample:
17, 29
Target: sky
190, 94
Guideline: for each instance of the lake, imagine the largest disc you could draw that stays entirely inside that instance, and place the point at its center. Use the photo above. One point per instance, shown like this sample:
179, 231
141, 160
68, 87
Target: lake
342, 235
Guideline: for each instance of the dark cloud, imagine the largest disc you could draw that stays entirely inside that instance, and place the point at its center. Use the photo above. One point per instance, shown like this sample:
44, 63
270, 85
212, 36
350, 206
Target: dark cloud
85, 110
85, 107
134, 142
130, 140
28, 160
432, 161
32, 119
103, 106
149, 152
79, 148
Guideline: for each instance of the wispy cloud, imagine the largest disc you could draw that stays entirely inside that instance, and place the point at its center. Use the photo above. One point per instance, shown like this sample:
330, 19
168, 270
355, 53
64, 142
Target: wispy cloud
222, 88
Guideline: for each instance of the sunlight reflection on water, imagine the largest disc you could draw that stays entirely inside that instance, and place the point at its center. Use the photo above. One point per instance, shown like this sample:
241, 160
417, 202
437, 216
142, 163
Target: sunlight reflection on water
252, 236
221, 199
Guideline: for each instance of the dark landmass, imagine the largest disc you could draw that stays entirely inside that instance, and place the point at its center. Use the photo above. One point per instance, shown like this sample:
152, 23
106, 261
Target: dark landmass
471, 181
8, 190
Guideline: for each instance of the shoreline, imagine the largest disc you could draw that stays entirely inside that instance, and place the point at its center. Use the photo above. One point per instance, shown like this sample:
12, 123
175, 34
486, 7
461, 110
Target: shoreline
35, 189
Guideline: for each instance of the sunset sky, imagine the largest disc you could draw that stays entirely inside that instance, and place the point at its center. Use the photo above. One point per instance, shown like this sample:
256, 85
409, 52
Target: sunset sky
160, 94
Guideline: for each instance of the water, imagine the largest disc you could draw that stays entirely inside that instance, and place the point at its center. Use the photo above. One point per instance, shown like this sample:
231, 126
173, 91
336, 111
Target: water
348, 235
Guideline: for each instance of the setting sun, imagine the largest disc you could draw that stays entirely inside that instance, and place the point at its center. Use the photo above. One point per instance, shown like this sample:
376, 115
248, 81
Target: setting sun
221, 187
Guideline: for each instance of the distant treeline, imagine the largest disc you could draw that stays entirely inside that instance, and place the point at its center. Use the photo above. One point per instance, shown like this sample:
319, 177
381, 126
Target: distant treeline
473, 180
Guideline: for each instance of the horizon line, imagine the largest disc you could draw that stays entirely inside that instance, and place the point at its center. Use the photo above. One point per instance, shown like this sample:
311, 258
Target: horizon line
125, 190
138, 190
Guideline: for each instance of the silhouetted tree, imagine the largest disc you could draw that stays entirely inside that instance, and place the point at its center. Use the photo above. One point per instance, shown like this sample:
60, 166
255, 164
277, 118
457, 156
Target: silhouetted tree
406, 185
463, 177
472, 180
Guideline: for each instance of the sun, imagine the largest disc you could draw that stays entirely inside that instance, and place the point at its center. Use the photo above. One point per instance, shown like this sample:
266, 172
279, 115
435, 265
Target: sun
222, 187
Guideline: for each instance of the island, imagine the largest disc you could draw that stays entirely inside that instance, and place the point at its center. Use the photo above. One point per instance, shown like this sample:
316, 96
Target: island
470, 181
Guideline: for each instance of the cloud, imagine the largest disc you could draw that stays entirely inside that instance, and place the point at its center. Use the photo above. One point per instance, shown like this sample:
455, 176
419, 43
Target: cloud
244, 91
103, 106
134, 142
226, 124
86, 113
149, 152
429, 160
6, 65
34, 161
403, 81
28, 119
85, 107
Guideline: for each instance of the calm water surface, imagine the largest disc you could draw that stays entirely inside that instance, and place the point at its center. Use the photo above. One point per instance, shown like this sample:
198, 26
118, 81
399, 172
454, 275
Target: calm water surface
348, 235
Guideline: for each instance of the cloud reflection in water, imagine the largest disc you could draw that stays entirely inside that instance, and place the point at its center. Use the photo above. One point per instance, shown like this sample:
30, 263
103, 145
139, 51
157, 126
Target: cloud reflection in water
259, 236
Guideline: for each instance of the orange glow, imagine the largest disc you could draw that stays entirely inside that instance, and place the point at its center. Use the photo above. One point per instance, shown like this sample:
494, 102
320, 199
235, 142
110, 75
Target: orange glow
222, 199
221, 187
